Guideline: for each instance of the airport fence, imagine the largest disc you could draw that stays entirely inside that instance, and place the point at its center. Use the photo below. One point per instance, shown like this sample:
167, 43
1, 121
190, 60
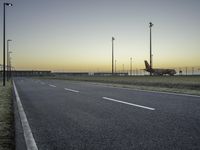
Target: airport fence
138, 72
179, 71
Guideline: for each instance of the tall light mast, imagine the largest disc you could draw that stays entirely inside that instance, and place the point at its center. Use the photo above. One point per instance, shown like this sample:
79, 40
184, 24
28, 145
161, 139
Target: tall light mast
151, 66
113, 55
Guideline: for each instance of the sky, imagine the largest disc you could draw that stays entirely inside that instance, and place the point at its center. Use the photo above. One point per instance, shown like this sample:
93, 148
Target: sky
76, 35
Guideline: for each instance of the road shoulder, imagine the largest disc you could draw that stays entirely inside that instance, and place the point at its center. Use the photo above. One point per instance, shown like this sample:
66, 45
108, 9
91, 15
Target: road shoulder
7, 131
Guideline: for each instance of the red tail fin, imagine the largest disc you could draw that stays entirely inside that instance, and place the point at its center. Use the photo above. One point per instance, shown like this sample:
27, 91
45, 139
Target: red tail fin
147, 65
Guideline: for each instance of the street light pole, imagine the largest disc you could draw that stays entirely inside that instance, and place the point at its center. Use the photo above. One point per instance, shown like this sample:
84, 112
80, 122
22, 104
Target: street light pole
131, 66
4, 74
8, 58
113, 55
150, 26
115, 66
10, 65
4, 42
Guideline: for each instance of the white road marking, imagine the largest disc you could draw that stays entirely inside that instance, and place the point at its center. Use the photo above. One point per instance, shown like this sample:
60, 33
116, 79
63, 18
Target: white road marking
169, 93
160, 92
29, 139
136, 105
52, 85
71, 90
149, 91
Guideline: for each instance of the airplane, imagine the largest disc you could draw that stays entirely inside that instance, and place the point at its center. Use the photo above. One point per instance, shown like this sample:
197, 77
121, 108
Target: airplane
159, 72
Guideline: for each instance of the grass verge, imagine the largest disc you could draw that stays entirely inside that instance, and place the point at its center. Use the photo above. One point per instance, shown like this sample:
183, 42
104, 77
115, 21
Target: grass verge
176, 84
6, 117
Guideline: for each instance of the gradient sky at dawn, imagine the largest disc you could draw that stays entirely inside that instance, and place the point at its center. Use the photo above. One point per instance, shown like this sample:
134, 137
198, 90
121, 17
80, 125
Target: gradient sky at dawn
75, 35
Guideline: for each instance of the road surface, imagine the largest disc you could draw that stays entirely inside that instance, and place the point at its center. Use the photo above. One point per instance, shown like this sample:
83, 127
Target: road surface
68, 115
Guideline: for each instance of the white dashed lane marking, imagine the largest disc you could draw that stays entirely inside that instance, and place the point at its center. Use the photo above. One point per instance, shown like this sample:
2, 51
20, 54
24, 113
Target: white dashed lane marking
131, 104
52, 85
71, 90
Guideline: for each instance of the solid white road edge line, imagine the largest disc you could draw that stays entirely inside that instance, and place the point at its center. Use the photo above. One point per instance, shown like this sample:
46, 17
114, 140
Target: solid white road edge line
29, 139
149, 91
160, 92
111, 99
71, 90
52, 85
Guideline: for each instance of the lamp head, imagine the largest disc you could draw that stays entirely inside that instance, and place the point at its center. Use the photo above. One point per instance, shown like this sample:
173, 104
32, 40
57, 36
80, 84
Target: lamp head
8, 4
150, 24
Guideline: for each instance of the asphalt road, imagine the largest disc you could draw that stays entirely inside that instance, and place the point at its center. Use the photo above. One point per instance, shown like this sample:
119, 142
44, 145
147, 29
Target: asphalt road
66, 115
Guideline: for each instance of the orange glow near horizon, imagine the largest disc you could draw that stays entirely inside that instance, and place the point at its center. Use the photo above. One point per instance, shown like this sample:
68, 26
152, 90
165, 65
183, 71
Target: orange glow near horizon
59, 37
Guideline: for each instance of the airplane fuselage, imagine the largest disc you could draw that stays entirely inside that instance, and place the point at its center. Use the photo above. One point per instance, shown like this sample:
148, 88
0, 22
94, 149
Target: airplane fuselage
170, 72
160, 72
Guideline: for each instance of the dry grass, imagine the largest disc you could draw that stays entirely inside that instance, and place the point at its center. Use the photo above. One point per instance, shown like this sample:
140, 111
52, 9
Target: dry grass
179, 84
6, 117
